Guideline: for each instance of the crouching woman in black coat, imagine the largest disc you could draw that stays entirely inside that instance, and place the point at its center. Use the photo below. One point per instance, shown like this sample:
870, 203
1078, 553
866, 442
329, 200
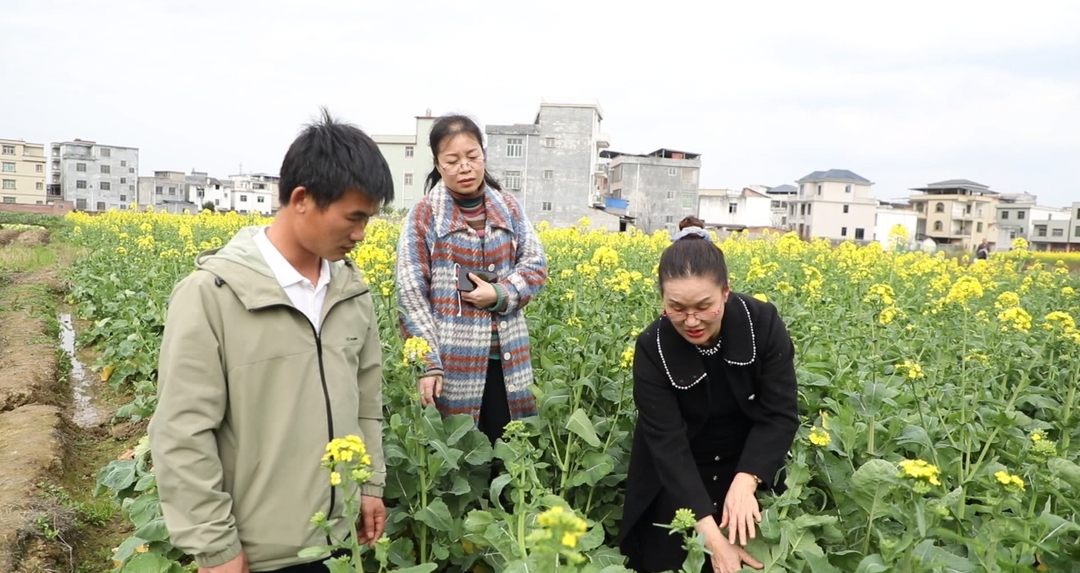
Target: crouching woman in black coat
714, 386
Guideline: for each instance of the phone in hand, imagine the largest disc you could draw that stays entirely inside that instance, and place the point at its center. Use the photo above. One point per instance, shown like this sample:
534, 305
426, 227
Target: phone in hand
465, 284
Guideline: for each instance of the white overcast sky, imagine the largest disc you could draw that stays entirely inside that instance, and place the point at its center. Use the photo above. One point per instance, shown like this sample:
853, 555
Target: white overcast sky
902, 93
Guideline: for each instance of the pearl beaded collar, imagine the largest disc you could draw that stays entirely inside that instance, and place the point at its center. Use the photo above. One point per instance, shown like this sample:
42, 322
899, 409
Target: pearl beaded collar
711, 351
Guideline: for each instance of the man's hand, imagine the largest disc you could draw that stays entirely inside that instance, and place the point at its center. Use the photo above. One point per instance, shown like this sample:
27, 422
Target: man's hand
741, 512
237, 564
372, 520
483, 296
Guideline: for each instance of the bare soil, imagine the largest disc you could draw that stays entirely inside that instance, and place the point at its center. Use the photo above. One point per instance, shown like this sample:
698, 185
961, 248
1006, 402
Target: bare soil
32, 238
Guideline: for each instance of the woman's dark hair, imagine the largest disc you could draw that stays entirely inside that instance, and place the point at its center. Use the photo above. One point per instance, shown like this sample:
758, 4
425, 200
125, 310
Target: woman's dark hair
692, 256
444, 128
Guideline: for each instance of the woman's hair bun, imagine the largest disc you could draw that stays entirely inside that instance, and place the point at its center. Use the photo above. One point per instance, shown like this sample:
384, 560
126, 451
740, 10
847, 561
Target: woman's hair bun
691, 221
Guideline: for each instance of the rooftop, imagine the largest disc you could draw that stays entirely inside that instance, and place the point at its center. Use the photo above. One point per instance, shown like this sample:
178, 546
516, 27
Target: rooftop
663, 153
951, 186
841, 175
784, 189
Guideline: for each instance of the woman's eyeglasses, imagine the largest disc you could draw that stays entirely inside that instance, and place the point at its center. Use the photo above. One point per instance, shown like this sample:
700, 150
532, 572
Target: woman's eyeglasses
702, 315
457, 166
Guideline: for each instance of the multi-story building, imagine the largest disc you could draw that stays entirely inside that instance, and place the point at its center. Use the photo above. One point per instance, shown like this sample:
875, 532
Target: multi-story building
22, 172
95, 177
781, 195
253, 192
835, 205
165, 191
410, 161
956, 212
661, 187
552, 165
1045, 228
747, 208
890, 214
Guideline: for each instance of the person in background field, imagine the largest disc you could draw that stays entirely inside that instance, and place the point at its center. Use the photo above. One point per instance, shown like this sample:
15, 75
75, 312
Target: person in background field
271, 349
468, 262
714, 385
983, 250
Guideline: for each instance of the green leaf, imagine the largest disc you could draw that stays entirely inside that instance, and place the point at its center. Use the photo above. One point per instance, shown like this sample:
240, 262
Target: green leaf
592, 539
457, 426
144, 509
870, 484
148, 563
315, 551
400, 552
594, 467
581, 426
423, 568
478, 520
146, 482
153, 530
118, 475
820, 564
436, 515
127, 548
872, 564
449, 456
1066, 470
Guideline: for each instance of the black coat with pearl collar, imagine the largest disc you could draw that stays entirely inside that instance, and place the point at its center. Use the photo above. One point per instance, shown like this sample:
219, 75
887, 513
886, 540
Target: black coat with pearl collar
672, 397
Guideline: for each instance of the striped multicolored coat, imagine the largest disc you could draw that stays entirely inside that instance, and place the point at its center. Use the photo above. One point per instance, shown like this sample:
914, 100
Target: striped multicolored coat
434, 240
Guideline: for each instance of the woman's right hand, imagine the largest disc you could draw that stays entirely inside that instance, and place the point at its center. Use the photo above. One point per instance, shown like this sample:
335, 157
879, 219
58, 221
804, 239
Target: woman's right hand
429, 387
728, 558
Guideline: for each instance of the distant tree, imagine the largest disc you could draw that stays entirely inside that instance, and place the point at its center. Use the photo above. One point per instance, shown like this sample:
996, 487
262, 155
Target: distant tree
209, 206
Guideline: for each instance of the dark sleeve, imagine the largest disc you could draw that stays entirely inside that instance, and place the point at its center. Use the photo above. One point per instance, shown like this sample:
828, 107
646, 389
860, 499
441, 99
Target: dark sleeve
777, 397
664, 431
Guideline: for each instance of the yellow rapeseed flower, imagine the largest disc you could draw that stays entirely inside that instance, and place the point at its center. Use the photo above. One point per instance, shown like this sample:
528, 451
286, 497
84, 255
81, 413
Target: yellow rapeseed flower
1009, 480
819, 437
921, 470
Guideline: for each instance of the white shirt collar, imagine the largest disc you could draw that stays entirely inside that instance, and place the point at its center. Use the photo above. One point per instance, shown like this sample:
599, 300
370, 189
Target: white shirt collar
284, 272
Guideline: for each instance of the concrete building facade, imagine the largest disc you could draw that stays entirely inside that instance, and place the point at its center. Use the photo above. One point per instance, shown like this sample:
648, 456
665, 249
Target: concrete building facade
252, 193
552, 165
22, 173
891, 214
735, 209
781, 195
410, 160
956, 212
661, 187
95, 177
835, 205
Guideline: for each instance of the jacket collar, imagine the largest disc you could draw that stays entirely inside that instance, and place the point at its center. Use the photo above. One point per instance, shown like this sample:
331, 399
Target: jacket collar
738, 345
449, 219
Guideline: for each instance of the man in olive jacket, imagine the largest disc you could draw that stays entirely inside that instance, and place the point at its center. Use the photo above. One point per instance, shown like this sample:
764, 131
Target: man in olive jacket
271, 349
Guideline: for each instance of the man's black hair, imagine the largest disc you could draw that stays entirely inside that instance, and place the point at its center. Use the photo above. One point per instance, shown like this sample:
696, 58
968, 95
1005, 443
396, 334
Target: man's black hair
330, 157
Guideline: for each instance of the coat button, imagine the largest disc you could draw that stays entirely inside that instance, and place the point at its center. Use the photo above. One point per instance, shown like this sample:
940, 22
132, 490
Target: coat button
717, 458
502, 324
715, 478
751, 397
506, 356
491, 267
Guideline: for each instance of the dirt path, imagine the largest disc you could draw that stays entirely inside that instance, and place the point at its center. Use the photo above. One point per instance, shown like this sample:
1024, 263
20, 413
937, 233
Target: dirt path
31, 421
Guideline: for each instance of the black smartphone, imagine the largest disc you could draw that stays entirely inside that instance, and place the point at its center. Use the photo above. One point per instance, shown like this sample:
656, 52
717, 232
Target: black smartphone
465, 284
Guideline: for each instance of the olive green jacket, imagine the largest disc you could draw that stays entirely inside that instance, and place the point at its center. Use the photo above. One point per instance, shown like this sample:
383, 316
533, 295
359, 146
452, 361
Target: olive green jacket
248, 396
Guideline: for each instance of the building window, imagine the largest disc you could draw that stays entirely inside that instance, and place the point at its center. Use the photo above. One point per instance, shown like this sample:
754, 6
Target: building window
549, 142
937, 225
733, 208
513, 180
172, 190
80, 204
39, 168
9, 167
408, 179
101, 206
159, 190
9, 199
847, 188
243, 198
80, 167
515, 147
670, 194
846, 207
672, 172
80, 184
217, 202
131, 170
1076, 231
106, 152
123, 207
123, 197
860, 234
1078, 213
123, 163
545, 206
1020, 214
549, 174
967, 210
9, 150
131, 187
669, 219
978, 227
808, 207
123, 180
9, 183
260, 199
106, 169
819, 189
409, 151
106, 186
1057, 232
688, 201
843, 231
920, 206
616, 176
939, 208
1040, 231
1004, 215
39, 186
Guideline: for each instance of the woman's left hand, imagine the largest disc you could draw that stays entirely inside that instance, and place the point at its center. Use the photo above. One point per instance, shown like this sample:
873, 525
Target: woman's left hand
483, 296
741, 512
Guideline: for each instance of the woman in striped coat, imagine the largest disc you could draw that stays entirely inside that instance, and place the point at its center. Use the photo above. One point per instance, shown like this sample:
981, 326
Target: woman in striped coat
466, 225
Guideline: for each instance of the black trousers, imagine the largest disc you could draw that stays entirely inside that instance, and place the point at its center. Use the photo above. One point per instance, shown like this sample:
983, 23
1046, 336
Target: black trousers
495, 407
663, 552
